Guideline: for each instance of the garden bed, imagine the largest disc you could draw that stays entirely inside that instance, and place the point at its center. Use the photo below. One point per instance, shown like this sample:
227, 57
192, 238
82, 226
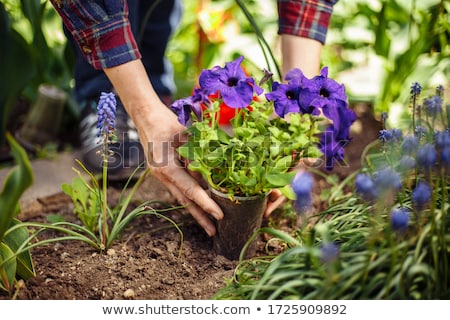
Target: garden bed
148, 261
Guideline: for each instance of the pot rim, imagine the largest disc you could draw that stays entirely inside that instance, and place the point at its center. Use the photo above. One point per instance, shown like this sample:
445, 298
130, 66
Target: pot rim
238, 198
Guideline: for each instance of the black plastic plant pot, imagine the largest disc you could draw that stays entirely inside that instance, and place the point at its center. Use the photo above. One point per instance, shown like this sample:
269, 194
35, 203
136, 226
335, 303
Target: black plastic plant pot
242, 217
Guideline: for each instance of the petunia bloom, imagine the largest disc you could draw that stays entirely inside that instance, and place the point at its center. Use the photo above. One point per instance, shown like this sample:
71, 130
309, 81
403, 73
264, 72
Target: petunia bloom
325, 94
284, 97
231, 82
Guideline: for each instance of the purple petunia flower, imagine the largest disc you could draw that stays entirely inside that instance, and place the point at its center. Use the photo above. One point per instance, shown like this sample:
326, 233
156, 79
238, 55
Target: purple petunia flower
284, 97
324, 93
365, 187
421, 194
302, 185
329, 251
106, 114
399, 219
342, 125
231, 81
183, 107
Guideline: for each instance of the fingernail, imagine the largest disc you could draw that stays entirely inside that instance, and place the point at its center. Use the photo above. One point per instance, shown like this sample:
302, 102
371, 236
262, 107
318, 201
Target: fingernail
216, 215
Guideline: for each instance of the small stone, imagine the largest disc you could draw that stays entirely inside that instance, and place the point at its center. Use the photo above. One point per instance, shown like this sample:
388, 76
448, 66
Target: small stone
65, 255
129, 293
111, 252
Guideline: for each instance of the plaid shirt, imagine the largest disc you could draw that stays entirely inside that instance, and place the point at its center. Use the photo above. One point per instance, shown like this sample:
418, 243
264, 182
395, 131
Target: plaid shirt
305, 18
103, 32
101, 29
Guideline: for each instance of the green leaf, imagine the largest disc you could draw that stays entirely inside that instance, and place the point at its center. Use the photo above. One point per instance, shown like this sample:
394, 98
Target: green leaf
8, 268
284, 163
197, 166
15, 184
14, 240
280, 179
288, 192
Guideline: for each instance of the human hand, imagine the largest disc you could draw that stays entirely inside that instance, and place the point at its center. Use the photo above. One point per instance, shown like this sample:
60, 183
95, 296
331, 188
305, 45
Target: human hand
160, 143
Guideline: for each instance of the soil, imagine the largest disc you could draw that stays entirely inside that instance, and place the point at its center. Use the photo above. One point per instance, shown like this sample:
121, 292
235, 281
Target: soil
151, 261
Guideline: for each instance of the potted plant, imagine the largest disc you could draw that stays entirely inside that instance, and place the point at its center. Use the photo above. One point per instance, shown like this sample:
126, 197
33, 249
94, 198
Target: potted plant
245, 142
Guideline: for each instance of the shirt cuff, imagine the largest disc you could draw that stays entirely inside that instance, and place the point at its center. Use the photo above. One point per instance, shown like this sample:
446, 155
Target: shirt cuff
308, 19
108, 44
102, 31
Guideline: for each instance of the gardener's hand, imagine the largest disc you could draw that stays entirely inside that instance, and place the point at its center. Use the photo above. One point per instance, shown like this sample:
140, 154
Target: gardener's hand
160, 134
276, 199
166, 166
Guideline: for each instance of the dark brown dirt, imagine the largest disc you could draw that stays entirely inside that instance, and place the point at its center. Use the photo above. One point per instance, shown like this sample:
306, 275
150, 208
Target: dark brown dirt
150, 261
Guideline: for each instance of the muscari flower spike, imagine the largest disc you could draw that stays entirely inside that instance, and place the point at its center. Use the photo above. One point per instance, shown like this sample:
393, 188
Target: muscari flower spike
416, 88
426, 156
399, 219
106, 114
421, 194
302, 185
433, 105
329, 252
410, 144
365, 186
406, 163
387, 179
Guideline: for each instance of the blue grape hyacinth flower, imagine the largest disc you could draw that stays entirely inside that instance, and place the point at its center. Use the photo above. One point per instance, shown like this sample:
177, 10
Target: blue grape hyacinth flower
421, 194
302, 185
106, 114
399, 219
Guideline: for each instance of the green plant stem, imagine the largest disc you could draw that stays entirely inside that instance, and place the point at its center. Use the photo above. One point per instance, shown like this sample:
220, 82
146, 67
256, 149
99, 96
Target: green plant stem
261, 40
104, 224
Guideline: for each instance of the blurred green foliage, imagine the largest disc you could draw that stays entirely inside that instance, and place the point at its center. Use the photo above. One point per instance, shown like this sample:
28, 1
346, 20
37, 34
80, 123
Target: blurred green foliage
410, 38
36, 52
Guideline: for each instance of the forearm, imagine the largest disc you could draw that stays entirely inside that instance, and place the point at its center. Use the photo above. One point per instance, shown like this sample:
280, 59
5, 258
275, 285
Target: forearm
131, 83
302, 53
133, 86
303, 26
